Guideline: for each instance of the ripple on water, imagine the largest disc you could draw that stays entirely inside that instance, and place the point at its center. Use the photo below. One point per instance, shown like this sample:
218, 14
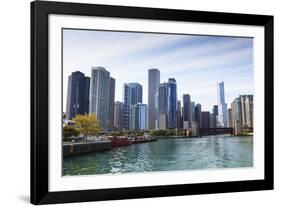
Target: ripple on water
165, 155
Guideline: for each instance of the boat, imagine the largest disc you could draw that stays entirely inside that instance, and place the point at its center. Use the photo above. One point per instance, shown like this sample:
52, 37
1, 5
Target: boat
119, 141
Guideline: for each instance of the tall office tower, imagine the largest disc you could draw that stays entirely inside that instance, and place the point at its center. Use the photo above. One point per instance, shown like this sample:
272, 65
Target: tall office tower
198, 115
138, 117
222, 106
247, 103
153, 86
236, 113
136, 93
215, 115
127, 105
77, 95
192, 110
111, 104
205, 119
172, 104
212, 122
118, 115
186, 105
179, 116
162, 105
229, 119
99, 95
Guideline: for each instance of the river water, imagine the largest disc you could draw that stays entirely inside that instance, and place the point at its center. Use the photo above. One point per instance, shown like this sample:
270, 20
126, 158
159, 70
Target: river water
166, 155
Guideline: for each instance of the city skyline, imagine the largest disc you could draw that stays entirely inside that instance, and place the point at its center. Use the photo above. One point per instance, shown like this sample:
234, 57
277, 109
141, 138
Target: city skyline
206, 60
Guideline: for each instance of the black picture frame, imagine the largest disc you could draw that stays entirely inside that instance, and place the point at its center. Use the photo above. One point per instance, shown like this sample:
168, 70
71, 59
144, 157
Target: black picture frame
39, 102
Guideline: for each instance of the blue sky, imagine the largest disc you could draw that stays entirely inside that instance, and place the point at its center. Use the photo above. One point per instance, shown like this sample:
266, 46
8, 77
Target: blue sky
197, 62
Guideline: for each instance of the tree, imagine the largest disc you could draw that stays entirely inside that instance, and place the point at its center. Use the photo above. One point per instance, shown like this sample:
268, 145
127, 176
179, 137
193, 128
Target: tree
87, 124
69, 131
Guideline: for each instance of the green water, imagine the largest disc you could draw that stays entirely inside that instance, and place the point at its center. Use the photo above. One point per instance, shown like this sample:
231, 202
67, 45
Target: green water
166, 155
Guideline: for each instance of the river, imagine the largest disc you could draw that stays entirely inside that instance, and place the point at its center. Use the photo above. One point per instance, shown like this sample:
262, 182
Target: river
166, 155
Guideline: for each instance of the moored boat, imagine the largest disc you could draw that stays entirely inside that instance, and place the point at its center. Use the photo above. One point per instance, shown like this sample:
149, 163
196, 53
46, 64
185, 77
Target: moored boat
119, 141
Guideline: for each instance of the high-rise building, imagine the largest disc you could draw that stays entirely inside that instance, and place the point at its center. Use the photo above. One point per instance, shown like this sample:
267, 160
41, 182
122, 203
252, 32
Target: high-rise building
229, 119
99, 95
198, 115
136, 93
127, 106
77, 95
192, 110
111, 104
162, 105
215, 115
167, 104
186, 108
222, 106
205, 119
172, 104
118, 115
153, 86
179, 116
242, 113
138, 117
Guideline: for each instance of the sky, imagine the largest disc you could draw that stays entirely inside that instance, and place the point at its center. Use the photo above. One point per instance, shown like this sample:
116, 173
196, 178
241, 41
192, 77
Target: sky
197, 62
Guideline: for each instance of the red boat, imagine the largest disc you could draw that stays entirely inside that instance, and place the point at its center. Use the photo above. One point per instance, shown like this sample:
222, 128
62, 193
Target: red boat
120, 141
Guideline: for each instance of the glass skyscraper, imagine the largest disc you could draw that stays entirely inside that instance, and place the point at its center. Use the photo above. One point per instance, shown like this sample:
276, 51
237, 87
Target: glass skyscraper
136, 93
127, 104
99, 95
138, 117
167, 104
77, 95
111, 104
186, 108
153, 86
222, 106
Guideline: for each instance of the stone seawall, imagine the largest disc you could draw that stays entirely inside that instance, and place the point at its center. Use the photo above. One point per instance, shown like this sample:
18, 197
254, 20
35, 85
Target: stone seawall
70, 149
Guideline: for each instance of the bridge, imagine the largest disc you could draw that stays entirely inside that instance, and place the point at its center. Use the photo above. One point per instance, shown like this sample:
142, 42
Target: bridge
215, 131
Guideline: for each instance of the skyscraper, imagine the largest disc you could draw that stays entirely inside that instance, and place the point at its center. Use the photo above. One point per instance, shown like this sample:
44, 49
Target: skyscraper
198, 115
179, 116
222, 106
172, 104
77, 95
118, 115
229, 119
205, 119
192, 110
111, 104
126, 106
186, 105
242, 113
162, 105
167, 105
138, 117
99, 95
153, 85
136, 93
215, 115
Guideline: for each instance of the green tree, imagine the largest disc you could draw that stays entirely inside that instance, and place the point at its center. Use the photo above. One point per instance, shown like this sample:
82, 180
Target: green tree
69, 131
87, 124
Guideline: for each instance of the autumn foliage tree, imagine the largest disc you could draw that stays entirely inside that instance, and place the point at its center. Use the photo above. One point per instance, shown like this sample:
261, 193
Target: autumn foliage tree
69, 131
87, 124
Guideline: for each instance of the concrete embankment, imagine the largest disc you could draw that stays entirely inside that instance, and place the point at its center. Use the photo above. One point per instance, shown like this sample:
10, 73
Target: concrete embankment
70, 149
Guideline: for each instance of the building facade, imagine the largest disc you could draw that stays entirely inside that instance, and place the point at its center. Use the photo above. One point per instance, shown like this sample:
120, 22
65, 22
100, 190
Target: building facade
186, 108
138, 117
118, 115
153, 86
99, 95
126, 106
205, 119
77, 95
222, 106
111, 104
198, 115
136, 93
